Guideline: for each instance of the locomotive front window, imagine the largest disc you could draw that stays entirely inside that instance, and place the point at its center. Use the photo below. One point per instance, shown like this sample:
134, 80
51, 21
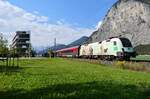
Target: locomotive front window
115, 43
126, 42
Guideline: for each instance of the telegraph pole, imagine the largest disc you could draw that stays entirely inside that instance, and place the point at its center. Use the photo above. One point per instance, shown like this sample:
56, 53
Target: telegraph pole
55, 44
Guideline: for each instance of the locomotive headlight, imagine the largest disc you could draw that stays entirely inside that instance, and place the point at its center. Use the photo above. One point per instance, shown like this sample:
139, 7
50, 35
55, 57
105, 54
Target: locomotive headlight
120, 54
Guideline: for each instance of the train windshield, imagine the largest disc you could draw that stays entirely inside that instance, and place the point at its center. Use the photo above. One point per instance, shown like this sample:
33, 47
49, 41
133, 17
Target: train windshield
126, 42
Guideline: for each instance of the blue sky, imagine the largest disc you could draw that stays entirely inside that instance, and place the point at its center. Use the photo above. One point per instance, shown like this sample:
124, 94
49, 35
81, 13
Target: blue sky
66, 20
84, 13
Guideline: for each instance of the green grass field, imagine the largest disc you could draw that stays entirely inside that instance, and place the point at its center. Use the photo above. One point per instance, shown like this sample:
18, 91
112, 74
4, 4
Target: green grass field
67, 79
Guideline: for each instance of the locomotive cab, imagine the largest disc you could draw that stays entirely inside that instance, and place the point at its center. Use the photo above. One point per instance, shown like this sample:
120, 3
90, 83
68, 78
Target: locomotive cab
127, 50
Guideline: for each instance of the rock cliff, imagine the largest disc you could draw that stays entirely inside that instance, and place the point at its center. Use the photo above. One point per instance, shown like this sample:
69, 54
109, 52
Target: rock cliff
129, 18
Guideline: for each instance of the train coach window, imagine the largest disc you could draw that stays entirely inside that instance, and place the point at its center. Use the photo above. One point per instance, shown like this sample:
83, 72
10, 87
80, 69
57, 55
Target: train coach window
100, 42
115, 43
126, 42
108, 40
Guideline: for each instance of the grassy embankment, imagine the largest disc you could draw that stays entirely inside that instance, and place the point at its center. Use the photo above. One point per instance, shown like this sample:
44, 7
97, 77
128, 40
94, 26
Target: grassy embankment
61, 79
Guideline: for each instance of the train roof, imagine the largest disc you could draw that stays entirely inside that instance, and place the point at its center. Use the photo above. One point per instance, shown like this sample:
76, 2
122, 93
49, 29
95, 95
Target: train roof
70, 48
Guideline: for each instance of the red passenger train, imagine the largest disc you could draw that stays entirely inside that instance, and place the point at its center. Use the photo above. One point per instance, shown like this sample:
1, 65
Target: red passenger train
68, 52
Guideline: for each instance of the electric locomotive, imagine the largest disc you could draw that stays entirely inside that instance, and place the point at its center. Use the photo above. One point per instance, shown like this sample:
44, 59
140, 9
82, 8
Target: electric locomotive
113, 48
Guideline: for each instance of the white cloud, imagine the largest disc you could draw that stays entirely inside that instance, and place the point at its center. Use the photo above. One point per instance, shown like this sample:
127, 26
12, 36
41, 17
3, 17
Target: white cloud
35, 12
13, 18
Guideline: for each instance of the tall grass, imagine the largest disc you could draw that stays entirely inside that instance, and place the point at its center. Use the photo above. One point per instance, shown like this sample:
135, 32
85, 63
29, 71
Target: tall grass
135, 66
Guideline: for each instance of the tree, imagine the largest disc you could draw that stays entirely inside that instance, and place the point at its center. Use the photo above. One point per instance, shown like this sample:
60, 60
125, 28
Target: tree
50, 53
3, 46
33, 53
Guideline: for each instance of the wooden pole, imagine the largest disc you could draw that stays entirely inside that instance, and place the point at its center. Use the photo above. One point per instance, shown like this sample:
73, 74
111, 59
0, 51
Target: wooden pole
17, 60
10, 61
13, 58
7, 61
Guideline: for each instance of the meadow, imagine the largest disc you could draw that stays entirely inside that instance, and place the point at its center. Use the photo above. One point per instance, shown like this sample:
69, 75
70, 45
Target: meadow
69, 79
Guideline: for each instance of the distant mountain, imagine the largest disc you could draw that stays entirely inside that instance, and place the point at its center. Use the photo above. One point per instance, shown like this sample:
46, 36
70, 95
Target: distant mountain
42, 50
39, 48
58, 47
79, 41
75, 43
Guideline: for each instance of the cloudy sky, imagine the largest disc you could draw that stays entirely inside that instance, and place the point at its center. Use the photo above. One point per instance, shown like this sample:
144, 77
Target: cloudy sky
66, 20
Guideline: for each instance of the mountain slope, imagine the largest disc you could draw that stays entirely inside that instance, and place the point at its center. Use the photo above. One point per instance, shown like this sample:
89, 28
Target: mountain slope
79, 41
75, 43
58, 47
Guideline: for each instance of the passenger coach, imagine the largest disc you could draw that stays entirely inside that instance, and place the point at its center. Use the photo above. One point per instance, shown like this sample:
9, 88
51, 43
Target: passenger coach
68, 52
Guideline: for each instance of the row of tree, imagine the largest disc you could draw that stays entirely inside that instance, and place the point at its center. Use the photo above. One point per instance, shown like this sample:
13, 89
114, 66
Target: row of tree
6, 51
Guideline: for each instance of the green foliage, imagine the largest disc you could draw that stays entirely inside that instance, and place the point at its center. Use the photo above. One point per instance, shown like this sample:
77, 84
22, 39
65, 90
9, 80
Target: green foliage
67, 79
142, 58
3, 46
143, 49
